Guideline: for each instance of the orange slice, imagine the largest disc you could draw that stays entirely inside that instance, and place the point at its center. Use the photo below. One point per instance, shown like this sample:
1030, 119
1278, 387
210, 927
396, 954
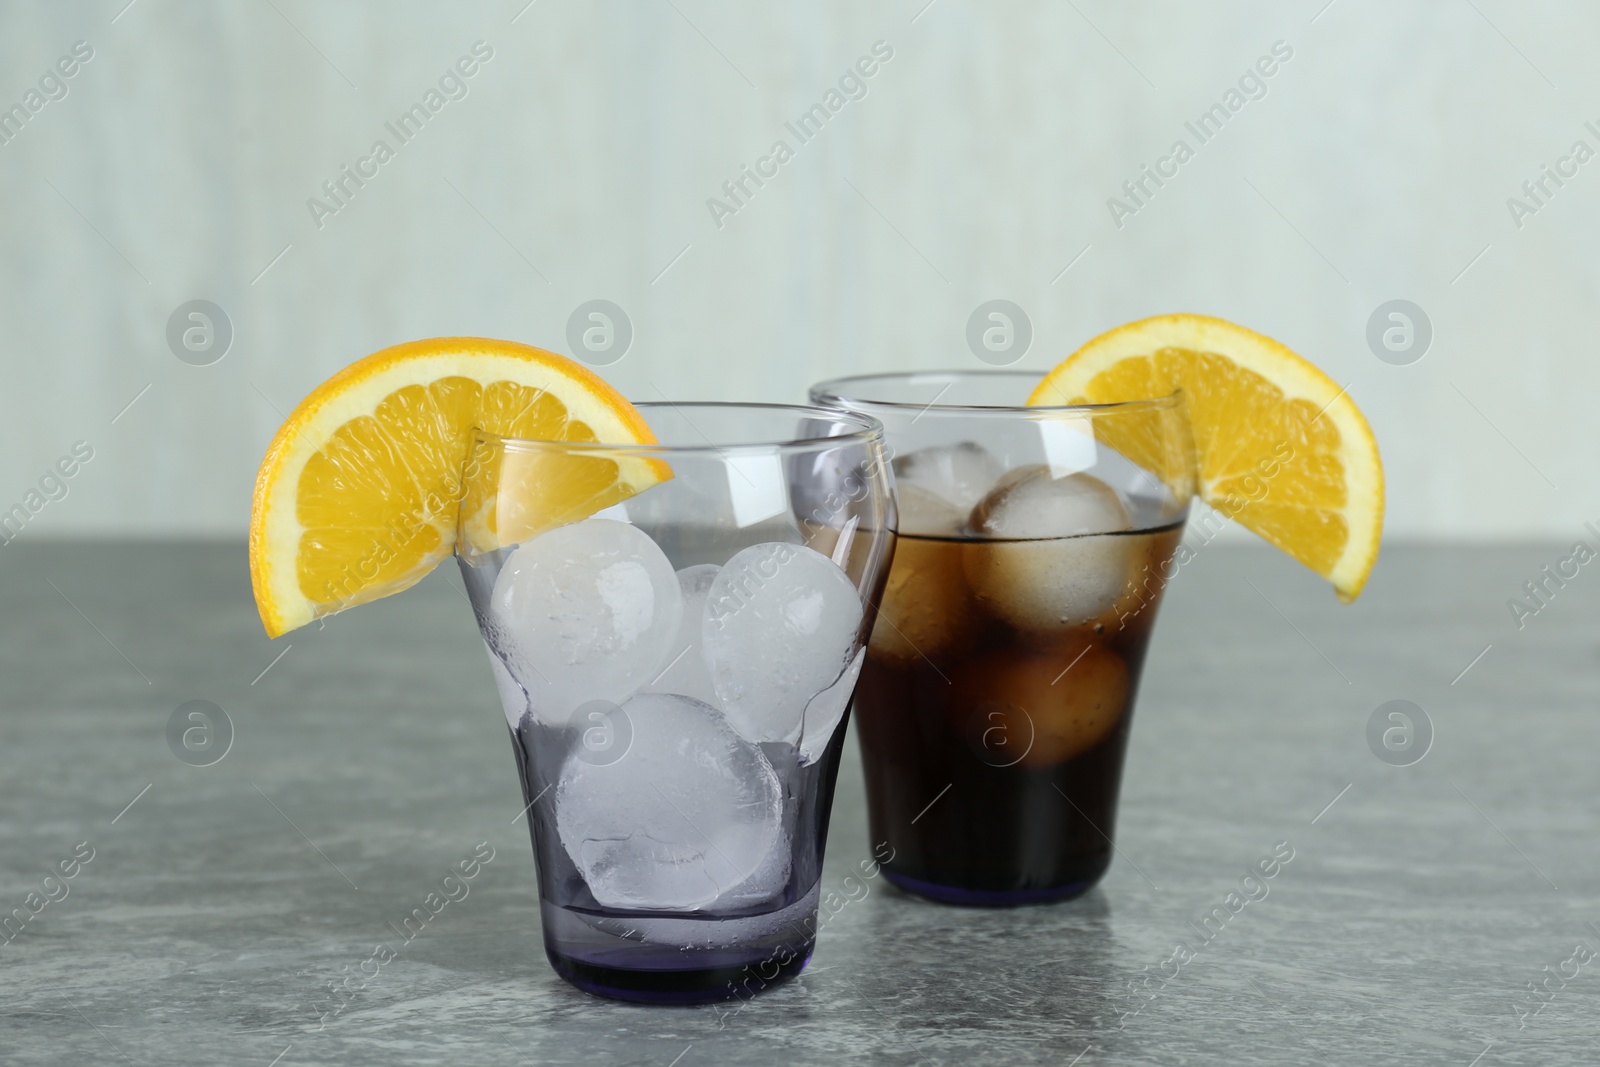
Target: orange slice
1279, 445
359, 494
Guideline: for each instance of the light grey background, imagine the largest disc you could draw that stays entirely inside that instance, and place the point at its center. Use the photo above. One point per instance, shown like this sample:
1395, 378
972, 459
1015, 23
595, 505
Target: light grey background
978, 166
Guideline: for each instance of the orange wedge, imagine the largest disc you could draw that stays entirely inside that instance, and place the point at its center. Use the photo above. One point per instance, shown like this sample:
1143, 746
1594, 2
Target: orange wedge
359, 494
1280, 446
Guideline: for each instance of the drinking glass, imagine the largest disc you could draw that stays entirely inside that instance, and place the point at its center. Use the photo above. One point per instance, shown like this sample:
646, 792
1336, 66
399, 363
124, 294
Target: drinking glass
995, 703
675, 671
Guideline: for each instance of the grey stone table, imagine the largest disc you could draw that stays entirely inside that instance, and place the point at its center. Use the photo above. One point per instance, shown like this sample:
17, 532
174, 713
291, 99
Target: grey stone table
1423, 906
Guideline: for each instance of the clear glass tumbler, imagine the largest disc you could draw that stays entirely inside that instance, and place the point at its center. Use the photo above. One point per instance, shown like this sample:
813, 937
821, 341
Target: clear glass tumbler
994, 707
675, 671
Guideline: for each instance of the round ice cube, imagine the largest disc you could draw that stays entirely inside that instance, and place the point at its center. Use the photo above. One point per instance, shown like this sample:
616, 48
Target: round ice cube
1038, 708
1034, 502
925, 513
1055, 562
780, 624
926, 610
687, 814
586, 612
960, 473
685, 670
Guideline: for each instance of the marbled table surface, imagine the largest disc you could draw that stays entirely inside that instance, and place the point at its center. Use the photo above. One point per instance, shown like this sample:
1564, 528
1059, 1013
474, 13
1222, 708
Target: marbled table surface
1422, 906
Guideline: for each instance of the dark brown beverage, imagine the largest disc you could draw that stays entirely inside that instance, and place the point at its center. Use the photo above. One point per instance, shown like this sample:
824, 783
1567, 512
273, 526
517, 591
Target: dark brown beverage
995, 704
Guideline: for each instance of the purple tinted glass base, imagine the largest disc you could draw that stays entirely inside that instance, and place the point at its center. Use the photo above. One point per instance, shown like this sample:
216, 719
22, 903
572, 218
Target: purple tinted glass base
679, 959
696, 986
989, 898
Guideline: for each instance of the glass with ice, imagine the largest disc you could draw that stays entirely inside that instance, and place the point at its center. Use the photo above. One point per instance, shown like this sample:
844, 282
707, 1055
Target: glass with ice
995, 702
675, 671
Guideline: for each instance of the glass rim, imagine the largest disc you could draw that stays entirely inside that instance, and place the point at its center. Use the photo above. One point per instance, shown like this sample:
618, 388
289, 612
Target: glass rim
867, 428
860, 405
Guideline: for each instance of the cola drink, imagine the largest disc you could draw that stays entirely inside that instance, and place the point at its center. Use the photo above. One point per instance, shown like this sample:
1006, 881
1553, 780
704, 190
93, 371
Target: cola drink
993, 737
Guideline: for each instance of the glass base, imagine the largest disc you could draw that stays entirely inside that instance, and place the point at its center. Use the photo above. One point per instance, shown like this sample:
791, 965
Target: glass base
660, 959
989, 898
699, 985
